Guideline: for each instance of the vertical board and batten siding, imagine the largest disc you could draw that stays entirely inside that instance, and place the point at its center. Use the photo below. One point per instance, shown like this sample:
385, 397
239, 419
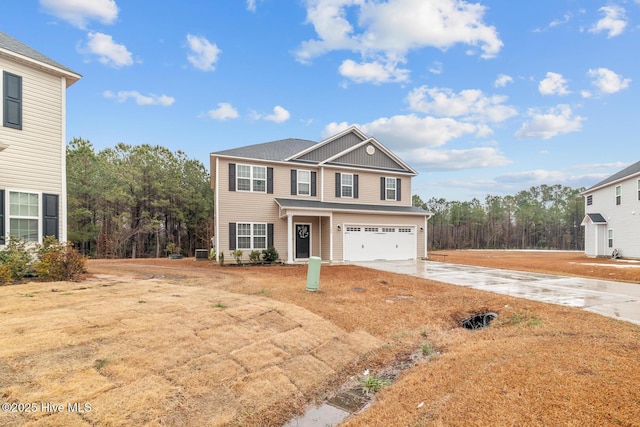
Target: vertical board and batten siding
623, 219
360, 157
332, 148
368, 188
375, 220
34, 159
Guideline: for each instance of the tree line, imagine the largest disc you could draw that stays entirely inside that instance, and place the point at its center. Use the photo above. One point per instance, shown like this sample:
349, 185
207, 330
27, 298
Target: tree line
136, 201
144, 201
543, 217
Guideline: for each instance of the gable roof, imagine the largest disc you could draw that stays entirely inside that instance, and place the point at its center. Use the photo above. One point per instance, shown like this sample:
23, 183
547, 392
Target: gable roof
23, 53
349, 148
628, 172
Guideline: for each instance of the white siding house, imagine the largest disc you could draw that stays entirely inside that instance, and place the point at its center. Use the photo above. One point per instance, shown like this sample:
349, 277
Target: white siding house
612, 220
33, 193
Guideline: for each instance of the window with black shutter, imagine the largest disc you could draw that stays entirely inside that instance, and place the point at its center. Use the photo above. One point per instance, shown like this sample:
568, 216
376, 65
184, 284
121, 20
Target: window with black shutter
12, 100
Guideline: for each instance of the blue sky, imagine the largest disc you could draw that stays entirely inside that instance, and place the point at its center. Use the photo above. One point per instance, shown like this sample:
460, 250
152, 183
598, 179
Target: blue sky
488, 97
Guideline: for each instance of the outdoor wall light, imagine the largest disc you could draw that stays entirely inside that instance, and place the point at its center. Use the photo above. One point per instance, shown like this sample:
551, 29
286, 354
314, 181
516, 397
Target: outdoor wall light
339, 227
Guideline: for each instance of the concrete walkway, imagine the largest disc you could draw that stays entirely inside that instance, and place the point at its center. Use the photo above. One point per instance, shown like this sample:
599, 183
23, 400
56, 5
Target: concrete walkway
614, 299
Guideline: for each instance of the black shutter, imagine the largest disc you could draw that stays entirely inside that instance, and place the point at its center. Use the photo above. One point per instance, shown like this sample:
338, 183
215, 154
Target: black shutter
232, 236
398, 189
382, 188
270, 180
338, 185
50, 215
294, 182
232, 177
1, 217
269, 235
12, 101
313, 184
355, 186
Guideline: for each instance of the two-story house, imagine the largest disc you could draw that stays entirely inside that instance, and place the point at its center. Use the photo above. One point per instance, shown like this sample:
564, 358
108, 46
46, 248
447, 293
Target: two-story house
612, 220
33, 199
347, 198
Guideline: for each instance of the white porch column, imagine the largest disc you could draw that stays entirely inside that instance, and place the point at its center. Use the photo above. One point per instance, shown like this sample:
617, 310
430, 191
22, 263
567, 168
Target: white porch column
289, 239
331, 238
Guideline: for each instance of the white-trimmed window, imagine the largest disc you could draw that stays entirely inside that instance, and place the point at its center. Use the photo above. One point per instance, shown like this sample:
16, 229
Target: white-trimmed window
251, 236
304, 183
390, 189
610, 237
24, 215
639, 189
251, 178
589, 200
618, 195
346, 184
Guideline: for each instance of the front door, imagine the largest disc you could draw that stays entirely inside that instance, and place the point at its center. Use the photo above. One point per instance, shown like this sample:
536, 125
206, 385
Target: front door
303, 241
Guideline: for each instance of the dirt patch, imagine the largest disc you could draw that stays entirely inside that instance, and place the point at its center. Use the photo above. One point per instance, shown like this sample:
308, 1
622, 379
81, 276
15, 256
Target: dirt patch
184, 342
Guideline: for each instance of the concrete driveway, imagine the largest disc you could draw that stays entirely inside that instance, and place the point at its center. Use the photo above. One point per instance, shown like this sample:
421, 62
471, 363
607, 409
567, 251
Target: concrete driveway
614, 299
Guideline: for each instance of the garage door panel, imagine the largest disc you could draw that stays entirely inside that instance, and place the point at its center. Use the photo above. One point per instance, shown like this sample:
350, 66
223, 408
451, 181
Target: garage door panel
368, 243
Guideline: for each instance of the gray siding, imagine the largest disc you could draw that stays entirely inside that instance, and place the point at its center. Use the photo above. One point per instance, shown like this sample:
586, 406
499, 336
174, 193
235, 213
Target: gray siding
360, 157
332, 148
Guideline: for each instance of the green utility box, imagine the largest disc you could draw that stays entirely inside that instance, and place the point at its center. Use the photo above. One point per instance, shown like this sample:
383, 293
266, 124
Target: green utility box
313, 274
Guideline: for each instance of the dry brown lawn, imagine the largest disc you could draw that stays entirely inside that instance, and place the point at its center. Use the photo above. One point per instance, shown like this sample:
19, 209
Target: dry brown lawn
189, 343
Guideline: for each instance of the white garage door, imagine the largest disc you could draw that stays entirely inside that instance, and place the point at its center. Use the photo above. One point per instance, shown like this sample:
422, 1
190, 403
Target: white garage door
370, 242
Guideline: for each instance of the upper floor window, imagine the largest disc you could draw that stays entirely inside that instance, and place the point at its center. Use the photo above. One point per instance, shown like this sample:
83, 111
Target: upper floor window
346, 184
12, 100
639, 189
304, 183
24, 215
618, 195
251, 178
390, 188
589, 200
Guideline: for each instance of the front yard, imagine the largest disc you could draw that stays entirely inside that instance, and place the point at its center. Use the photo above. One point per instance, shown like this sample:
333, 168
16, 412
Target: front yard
184, 342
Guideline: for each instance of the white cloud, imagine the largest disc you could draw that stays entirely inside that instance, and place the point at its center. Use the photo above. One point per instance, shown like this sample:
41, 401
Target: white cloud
502, 80
403, 131
473, 158
109, 52
471, 104
553, 84
566, 18
555, 121
204, 54
607, 81
151, 99
279, 115
436, 68
251, 5
375, 32
373, 72
614, 21
78, 13
224, 111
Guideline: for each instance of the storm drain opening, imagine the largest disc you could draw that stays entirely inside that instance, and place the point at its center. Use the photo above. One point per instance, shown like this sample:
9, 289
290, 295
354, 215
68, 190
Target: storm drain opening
478, 320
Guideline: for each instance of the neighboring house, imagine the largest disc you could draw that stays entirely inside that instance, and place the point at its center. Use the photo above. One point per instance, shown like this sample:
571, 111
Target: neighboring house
33, 199
347, 198
612, 220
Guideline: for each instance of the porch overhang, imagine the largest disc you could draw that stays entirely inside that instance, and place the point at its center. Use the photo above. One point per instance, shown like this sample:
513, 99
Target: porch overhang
593, 218
318, 208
